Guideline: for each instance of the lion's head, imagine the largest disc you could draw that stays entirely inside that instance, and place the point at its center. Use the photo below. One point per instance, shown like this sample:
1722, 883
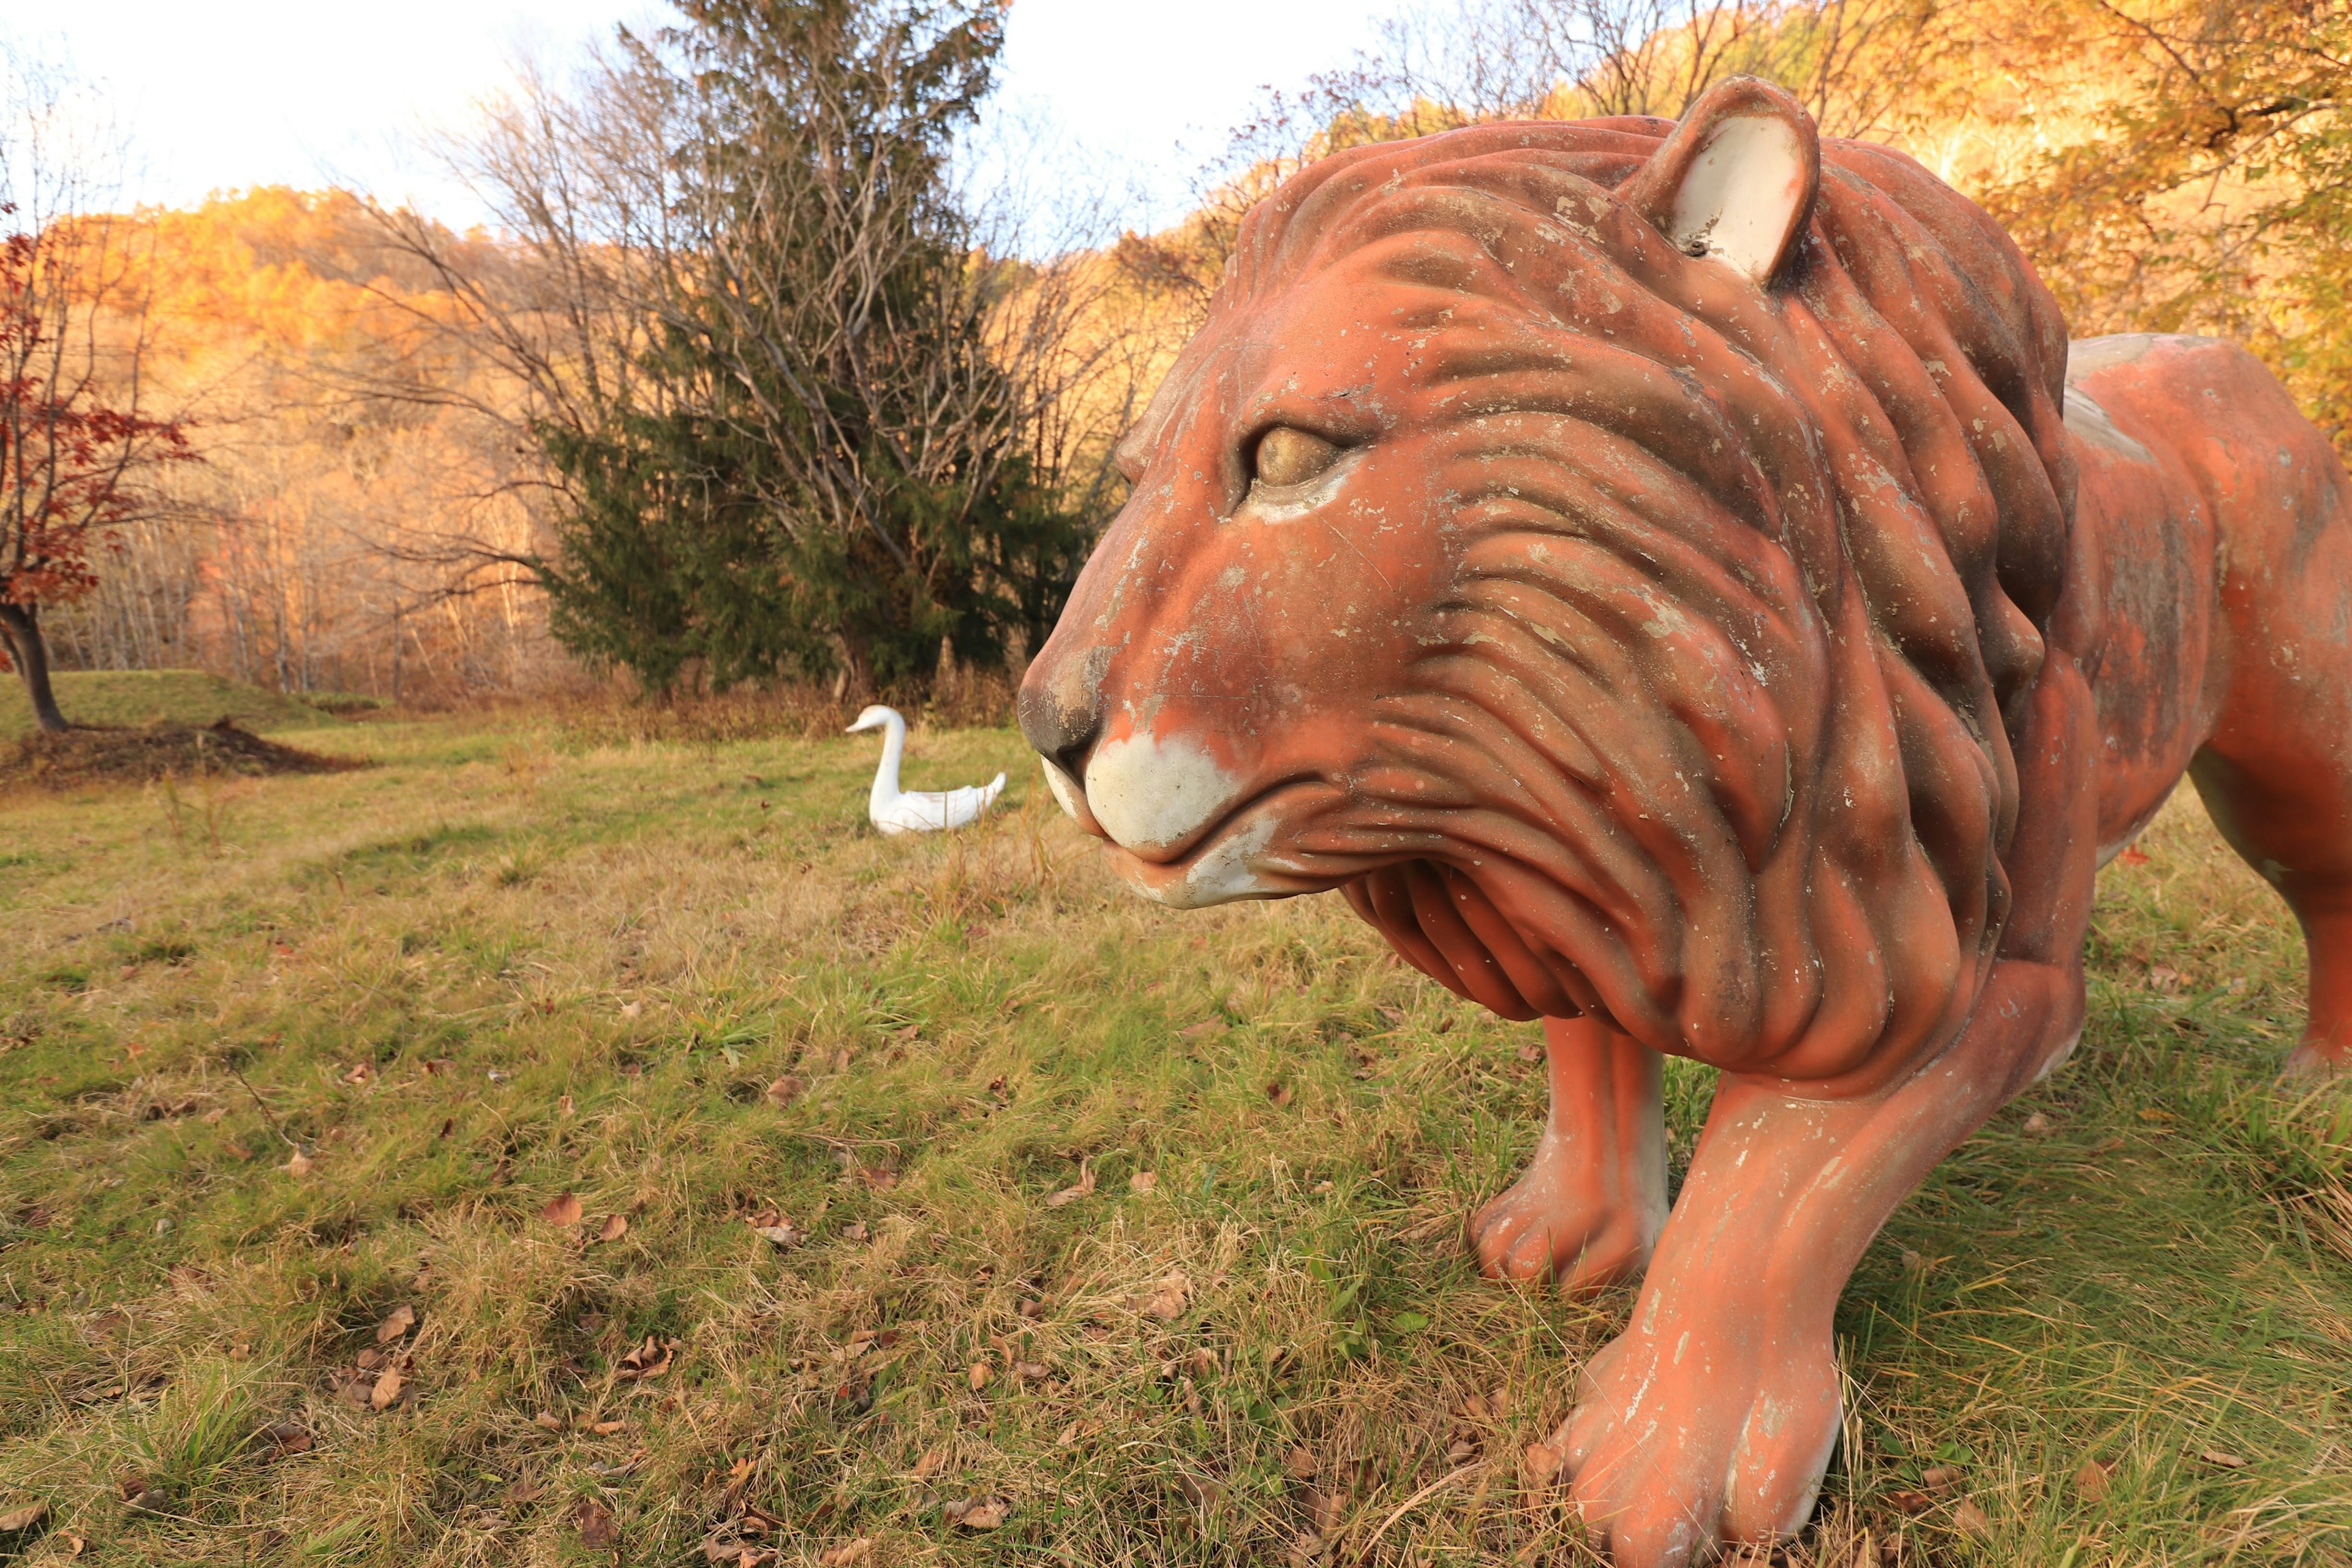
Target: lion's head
1619, 555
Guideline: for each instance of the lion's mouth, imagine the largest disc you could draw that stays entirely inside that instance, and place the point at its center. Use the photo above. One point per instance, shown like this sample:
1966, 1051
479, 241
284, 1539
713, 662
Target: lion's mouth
1225, 860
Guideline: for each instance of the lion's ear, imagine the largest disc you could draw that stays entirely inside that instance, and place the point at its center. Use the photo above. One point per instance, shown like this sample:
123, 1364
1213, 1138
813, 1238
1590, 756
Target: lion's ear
1737, 178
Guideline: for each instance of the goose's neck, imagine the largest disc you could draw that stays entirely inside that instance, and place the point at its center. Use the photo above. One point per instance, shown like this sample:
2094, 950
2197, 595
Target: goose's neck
894, 747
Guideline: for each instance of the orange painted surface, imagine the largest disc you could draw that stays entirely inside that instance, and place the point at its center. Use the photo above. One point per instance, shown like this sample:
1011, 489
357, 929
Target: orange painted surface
1743, 655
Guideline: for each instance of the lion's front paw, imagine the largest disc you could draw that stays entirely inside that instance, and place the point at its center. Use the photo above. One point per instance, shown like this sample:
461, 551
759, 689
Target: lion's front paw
1557, 1222
1685, 1441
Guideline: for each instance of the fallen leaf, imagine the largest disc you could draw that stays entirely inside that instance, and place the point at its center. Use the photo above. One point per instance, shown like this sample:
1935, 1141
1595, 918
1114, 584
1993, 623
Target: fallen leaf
370, 1359
1530, 1053
2037, 1124
597, 1527
631, 1009
1032, 1371
237, 1149
387, 1390
1167, 1301
1971, 1518
564, 1106
1143, 1183
1865, 1553
1278, 1092
1911, 1501
561, 1210
286, 1437
847, 1552
785, 1090
1542, 1462
2091, 1480
360, 1074
435, 1065
1461, 1451
977, 1513
1078, 1432
782, 1235
930, 1463
214, 1117
978, 1375
1299, 1464
75, 1544
1939, 1477
548, 1419
1305, 1549
650, 1359
2217, 1456
18, 1520
1323, 1506
1206, 1027
299, 1165
396, 1322
614, 1227
607, 1428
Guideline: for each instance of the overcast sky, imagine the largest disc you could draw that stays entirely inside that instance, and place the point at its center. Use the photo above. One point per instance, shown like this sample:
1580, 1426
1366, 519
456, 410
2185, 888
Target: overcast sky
218, 94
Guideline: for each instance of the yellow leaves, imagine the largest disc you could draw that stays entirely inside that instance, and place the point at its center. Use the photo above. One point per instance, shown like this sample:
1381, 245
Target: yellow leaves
396, 1322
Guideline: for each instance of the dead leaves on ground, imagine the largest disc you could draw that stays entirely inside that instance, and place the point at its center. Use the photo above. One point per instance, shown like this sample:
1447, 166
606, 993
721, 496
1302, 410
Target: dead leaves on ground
977, 1512
1071, 1195
597, 1524
396, 1322
1168, 1300
647, 1360
562, 1211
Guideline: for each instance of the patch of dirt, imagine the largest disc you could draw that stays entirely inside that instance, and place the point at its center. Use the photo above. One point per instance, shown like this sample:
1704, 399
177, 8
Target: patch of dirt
101, 755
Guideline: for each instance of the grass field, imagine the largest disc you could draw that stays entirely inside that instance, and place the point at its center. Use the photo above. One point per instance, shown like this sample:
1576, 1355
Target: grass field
923, 1188
132, 697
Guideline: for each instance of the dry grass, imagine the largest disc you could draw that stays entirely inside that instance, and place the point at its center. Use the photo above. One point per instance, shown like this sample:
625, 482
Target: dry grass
526, 957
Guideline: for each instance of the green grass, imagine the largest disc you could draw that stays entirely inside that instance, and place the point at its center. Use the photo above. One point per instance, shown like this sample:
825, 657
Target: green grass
133, 697
514, 962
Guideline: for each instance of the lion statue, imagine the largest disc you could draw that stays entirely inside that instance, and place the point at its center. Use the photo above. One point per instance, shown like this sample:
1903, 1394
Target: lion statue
1678, 582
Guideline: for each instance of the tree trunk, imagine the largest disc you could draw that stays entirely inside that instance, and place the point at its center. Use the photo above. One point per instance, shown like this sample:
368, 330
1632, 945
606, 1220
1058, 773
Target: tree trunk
21, 623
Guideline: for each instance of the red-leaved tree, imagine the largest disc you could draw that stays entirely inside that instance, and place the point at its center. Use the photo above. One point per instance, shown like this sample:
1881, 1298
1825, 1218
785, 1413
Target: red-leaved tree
78, 455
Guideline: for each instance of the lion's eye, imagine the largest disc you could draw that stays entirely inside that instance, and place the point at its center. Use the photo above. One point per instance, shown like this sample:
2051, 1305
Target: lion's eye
1291, 457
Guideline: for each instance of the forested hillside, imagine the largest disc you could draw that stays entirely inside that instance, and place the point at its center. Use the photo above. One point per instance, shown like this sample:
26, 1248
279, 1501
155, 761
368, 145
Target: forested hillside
407, 436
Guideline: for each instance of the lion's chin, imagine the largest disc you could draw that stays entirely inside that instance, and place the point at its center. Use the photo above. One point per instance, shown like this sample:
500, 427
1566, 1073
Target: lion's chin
1223, 871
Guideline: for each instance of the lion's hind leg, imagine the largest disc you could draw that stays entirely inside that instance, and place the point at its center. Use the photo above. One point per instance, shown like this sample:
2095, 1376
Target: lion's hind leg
2276, 772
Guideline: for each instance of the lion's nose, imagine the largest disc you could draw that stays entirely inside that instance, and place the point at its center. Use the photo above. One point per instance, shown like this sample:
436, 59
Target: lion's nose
1061, 722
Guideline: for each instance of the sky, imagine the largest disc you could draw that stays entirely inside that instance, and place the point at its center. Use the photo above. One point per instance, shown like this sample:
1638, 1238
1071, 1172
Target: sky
220, 94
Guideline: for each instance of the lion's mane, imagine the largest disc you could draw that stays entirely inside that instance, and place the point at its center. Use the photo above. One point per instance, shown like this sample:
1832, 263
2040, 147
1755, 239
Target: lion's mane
1723, 734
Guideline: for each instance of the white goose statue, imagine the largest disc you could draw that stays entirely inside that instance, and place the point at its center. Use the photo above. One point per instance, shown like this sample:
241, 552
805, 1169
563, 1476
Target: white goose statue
898, 811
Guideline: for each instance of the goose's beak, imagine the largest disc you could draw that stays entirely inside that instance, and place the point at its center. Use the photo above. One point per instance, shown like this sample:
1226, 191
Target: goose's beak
861, 729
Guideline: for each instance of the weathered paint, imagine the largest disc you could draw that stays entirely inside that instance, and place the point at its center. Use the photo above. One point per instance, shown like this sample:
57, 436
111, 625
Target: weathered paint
1702, 606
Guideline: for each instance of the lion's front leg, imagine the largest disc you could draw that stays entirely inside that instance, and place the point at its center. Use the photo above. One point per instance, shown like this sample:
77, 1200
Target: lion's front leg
1710, 1420
1590, 1203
